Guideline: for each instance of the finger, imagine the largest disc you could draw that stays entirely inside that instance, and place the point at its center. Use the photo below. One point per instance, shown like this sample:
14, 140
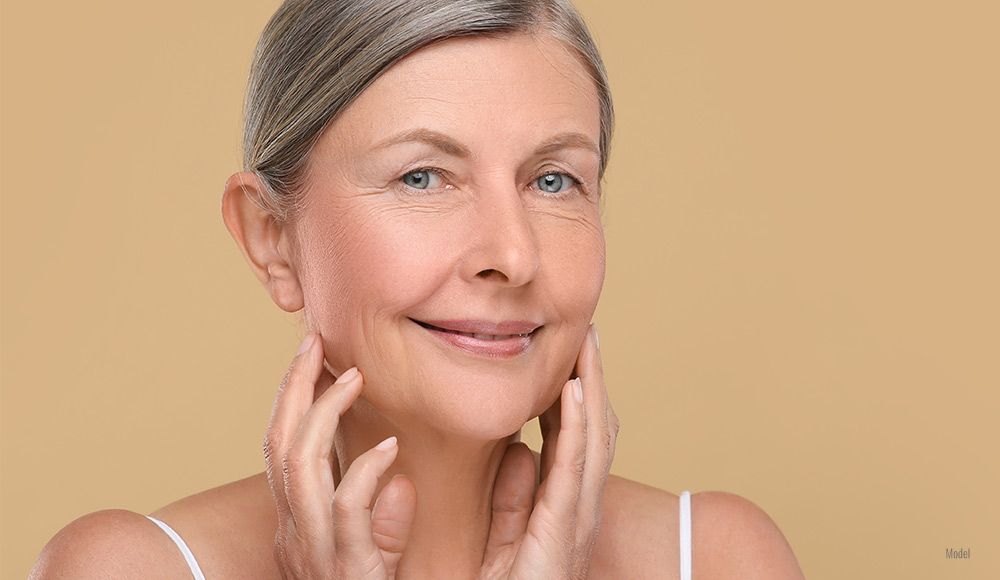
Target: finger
555, 511
601, 435
549, 423
513, 498
352, 518
290, 405
324, 382
392, 519
307, 467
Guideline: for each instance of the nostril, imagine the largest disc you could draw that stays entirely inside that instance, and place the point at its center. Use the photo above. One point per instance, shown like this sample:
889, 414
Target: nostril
488, 273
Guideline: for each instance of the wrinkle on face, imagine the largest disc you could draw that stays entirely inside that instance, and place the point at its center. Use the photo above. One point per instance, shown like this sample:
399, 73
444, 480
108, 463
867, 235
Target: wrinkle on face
492, 117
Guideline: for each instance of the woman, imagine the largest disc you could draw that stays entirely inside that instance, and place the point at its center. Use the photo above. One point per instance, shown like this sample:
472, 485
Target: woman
422, 181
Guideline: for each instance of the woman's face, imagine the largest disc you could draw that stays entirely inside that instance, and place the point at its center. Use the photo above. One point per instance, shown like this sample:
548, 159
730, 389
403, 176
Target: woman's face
451, 245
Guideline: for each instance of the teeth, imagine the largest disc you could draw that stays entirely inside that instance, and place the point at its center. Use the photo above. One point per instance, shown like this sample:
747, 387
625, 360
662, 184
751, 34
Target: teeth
477, 335
491, 336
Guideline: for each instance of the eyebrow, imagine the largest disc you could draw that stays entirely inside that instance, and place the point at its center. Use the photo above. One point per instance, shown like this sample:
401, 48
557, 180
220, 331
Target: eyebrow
568, 141
451, 147
437, 140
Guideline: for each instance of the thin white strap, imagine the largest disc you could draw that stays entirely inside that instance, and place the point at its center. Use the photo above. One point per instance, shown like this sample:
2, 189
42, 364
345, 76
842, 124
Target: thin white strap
188, 556
685, 536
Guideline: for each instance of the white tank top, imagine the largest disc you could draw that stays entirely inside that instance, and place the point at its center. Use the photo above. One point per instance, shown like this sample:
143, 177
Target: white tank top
685, 520
685, 535
188, 556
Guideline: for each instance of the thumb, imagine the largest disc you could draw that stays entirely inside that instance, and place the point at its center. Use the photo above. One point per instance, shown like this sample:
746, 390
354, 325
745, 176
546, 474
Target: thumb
392, 518
513, 497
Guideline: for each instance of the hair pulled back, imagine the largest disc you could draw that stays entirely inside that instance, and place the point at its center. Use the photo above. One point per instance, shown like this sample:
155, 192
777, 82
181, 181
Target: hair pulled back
315, 57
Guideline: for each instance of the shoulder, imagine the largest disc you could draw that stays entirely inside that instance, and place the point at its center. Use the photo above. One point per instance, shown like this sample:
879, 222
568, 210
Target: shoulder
229, 529
110, 544
731, 536
639, 532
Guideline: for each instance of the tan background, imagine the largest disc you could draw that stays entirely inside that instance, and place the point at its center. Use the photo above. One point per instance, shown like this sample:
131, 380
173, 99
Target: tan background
801, 304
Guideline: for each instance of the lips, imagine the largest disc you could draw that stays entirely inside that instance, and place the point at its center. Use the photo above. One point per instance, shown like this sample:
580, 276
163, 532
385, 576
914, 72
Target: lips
483, 338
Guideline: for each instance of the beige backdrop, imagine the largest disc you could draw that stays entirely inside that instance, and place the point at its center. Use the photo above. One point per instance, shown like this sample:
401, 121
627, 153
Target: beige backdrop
801, 303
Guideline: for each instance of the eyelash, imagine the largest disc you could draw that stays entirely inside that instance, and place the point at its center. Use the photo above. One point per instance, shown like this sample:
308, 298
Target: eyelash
429, 170
576, 182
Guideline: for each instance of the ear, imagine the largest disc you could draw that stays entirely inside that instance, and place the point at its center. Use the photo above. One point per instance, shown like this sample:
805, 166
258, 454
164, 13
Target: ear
262, 239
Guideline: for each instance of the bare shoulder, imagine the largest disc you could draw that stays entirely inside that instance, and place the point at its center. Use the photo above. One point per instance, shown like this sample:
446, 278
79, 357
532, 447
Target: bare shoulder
229, 530
731, 536
110, 544
639, 532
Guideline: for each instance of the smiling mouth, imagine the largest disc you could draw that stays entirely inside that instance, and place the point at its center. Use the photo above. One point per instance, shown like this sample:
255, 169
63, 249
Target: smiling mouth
478, 335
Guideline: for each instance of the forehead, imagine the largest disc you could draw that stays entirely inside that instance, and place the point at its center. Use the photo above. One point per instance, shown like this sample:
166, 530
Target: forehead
512, 90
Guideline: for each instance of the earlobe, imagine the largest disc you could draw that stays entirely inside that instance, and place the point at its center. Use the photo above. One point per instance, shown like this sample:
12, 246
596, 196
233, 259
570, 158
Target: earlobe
262, 239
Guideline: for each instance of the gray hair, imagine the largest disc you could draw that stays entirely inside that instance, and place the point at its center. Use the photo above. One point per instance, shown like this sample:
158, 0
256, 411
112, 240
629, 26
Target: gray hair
315, 57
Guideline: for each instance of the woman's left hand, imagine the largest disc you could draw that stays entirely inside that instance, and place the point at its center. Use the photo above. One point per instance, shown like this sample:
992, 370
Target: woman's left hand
549, 533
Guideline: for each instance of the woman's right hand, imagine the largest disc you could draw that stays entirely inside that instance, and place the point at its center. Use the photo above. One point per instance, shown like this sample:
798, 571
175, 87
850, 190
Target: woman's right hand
325, 531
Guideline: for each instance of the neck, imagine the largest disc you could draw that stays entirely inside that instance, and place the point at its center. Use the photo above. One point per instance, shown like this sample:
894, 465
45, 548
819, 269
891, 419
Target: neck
454, 478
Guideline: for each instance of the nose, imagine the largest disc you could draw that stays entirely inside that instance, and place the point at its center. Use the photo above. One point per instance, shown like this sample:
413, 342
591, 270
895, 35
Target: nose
504, 248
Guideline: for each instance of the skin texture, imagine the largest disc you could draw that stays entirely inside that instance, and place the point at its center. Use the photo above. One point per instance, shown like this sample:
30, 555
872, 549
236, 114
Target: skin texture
482, 242
447, 493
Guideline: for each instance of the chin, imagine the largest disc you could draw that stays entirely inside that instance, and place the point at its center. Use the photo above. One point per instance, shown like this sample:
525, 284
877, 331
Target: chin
487, 428
493, 409
422, 383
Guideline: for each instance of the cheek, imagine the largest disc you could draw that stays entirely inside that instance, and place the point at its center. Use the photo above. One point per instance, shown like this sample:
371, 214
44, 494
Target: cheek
575, 257
576, 262
361, 269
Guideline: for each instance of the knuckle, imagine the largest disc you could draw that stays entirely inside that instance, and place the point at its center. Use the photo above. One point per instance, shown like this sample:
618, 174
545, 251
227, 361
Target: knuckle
292, 465
577, 464
280, 553
273, 444
610, 435
550, 531
609, 441
342, 505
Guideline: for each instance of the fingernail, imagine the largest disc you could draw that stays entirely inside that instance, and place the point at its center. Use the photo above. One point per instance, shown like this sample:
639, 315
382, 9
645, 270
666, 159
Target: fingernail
347, 375
387, 444
578, 390
597, 339
308, 342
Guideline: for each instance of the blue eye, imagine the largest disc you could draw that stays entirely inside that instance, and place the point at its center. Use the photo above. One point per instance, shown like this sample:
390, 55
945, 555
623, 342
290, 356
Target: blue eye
422, 179
554, 182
